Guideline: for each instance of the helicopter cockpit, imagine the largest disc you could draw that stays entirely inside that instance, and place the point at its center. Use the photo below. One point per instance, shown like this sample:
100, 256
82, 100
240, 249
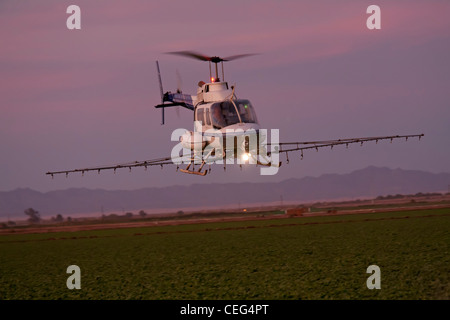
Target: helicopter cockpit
230, 112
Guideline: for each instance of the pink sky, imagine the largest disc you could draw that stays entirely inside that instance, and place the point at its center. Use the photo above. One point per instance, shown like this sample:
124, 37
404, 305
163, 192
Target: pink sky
71, 99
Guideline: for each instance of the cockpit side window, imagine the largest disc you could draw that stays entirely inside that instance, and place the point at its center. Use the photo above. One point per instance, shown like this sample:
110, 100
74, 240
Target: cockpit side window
200, 116
207, 118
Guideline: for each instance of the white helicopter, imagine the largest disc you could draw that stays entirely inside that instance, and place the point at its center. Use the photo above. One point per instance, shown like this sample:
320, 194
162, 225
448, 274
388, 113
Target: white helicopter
225, 128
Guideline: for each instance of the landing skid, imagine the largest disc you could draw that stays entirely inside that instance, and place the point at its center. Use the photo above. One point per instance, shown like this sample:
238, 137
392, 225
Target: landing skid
197, 172
268, 164
200, 173
194, 172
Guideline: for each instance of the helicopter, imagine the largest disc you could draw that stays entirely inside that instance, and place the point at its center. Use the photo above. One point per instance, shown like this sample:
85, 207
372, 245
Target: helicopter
226, 128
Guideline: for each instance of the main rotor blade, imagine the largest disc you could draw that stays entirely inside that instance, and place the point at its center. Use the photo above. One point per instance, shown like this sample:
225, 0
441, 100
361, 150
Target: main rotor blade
199, 56
238, 56
191, 54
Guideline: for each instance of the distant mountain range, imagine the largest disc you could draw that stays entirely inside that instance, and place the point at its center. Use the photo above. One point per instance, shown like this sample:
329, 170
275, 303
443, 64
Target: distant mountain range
366, 183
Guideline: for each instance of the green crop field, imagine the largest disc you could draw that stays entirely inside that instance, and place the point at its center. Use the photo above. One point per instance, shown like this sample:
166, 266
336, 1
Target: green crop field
297, 258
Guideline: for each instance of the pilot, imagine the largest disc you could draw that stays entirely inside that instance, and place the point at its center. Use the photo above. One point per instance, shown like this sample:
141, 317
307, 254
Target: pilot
217, 117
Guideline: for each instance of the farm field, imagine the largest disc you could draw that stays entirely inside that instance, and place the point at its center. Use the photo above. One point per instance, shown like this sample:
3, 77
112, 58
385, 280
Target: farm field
317, 257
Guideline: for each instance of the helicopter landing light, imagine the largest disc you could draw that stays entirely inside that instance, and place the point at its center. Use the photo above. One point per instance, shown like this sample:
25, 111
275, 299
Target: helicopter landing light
246, 156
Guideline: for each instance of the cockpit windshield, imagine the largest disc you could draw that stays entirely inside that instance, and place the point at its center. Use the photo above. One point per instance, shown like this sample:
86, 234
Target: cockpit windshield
227, 113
